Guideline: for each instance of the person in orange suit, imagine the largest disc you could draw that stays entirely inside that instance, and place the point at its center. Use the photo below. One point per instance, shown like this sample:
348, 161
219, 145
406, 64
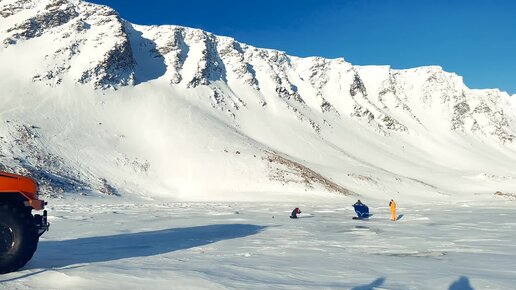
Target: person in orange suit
392, 205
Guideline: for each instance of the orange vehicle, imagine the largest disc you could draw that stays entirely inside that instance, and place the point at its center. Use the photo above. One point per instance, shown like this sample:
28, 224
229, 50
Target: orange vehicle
19, 228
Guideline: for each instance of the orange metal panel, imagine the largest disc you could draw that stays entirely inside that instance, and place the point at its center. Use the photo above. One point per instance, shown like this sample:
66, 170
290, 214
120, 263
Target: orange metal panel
24, 185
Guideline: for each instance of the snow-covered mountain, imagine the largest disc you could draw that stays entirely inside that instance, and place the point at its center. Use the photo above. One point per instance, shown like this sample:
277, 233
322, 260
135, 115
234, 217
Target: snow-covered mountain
91, 102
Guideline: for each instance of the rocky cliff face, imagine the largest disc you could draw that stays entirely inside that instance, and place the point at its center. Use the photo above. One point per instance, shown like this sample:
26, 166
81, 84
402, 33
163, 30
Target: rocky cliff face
93, 35
93, 46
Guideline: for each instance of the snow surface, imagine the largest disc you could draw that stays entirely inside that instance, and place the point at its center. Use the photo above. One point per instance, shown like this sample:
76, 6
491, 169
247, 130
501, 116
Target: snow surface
171, 158
109, 243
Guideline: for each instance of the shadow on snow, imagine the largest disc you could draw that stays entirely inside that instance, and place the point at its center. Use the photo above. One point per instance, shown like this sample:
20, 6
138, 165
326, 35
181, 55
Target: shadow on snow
376, 283
56, 254
461, 284
150, 63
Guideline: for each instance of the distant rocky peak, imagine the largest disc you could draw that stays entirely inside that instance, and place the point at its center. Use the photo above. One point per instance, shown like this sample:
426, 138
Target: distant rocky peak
55, 13
93, 46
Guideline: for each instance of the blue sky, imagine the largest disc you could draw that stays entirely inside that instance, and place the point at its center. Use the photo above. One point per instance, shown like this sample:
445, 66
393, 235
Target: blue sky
473, 38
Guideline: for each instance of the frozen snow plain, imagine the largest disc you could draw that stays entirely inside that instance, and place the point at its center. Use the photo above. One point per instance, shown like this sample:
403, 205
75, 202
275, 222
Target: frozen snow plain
110, 243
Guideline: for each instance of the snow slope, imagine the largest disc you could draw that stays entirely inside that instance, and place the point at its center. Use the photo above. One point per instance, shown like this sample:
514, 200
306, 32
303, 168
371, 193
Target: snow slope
92, 103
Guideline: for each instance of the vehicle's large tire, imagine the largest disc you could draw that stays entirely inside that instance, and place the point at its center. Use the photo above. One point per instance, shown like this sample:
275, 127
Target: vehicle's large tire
18, 238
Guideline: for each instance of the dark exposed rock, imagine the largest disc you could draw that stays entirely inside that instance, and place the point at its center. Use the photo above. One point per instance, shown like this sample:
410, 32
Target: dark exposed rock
28, 157
57, 13
16, 7
393, 124
116, 68
287, 171
357, 86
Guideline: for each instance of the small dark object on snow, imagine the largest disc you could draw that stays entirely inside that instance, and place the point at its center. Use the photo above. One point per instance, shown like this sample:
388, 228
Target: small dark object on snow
294, 213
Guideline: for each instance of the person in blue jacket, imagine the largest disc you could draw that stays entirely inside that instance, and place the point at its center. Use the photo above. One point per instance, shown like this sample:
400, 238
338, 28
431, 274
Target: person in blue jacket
361, 209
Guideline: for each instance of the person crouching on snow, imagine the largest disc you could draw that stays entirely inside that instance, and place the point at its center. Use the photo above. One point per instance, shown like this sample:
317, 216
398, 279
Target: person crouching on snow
361, 209
294, 213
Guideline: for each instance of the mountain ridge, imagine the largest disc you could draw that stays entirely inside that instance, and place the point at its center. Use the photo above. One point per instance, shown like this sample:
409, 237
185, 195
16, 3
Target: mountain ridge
89, 49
